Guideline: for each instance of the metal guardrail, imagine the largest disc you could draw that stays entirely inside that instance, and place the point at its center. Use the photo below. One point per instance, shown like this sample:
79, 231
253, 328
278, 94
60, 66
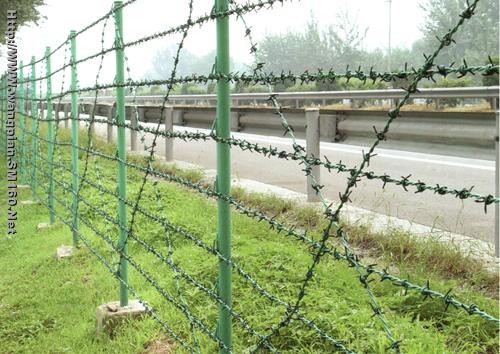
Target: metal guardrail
486, 92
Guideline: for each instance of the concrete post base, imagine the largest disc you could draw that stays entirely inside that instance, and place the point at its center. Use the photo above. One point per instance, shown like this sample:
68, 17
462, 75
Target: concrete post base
23, 186
64, 251
28, 202
110, 316
42, 225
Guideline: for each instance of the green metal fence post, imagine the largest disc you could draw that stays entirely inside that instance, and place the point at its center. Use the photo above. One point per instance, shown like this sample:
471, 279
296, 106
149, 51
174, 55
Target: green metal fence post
50, 137
122, 172
223, 128
74, 138
34, 121
22, 124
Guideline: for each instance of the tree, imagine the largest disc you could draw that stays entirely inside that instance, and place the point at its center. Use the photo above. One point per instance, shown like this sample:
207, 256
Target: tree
345, 38
475, 40
295, 51
27, 12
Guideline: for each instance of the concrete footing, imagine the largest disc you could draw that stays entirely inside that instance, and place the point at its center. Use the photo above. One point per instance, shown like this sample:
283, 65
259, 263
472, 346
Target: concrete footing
42, 225
64, 251
23, 186
28, 202
110, 316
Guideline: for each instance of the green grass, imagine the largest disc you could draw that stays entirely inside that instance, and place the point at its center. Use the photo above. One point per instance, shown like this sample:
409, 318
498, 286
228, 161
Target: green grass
48, 306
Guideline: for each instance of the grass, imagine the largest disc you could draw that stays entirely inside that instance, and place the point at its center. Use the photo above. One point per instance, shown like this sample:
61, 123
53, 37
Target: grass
394, 246
48, 306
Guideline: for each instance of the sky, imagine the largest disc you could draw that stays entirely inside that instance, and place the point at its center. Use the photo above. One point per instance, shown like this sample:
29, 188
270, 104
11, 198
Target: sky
148, 16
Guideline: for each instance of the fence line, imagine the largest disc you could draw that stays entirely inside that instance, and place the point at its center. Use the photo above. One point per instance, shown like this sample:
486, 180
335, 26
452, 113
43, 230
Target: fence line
71, 202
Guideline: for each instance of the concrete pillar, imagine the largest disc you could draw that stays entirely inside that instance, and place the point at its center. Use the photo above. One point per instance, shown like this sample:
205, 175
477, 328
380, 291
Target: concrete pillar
67, 108
497, 187
56, 113
312, 149
111, 118
169, 127
134, 125
437, 104
178, 117
91, 113
41, 111
297, 104
235, 121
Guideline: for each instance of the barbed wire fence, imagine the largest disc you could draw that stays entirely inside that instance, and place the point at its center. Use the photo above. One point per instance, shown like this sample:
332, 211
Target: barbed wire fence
92, 186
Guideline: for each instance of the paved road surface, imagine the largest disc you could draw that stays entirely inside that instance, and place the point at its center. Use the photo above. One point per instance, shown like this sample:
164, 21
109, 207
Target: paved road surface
443, 212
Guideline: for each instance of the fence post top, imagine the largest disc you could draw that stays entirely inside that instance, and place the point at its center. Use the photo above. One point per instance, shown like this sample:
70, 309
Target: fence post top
312, 109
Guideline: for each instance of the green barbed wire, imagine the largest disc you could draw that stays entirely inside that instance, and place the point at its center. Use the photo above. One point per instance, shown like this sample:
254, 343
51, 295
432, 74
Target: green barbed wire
198, 322
292, 310
241, 9
321, 247
190, 236
253, 213
110, 268
404, 182
322, 76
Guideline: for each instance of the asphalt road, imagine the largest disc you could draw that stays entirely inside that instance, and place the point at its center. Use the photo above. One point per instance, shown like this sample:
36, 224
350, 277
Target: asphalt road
448, 213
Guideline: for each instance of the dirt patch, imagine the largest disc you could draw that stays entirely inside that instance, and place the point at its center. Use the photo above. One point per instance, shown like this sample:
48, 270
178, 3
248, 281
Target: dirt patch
163, 345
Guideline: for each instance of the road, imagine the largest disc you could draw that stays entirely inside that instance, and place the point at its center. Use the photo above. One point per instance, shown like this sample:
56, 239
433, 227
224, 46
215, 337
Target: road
447, 213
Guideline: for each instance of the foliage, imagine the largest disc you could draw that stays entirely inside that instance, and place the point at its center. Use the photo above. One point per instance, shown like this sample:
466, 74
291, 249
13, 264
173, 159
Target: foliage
192, 89
477, 40
450, 82
27, 12
303, 88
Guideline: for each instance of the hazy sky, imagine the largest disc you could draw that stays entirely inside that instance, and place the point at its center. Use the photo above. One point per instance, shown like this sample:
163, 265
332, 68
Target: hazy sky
147, 16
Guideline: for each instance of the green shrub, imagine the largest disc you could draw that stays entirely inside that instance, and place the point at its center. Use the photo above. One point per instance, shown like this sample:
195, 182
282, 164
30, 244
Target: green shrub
192, 89
301, 88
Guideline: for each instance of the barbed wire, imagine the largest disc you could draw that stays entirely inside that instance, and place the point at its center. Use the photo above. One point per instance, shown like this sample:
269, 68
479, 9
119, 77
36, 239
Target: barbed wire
424, 290
318, 248
321, 76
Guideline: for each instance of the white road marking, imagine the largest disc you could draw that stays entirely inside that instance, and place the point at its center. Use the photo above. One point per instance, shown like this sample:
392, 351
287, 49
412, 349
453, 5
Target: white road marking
397, 154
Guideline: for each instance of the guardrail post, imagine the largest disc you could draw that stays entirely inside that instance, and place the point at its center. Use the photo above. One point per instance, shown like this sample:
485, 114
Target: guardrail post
122, 151
235, 121
223, 128
74, 139
34, 142
169, 127
22, 123
497, 186
91, 114
133, 125
67, 108
50, 137
312, 150
178, 117
109, 126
